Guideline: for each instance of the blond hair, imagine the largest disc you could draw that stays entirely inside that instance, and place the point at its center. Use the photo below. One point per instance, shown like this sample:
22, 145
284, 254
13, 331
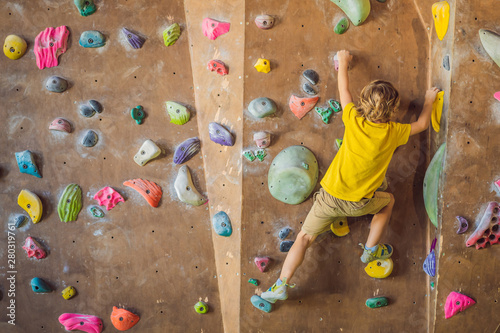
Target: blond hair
378, 101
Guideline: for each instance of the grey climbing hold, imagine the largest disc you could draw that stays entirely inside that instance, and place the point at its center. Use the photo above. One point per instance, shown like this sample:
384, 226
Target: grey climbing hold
56, 84
308, 89
222, 224
311, 76
446, 62
95, 105
262, 107
20, 220
86, 111
284, 233
285, 246
90, 139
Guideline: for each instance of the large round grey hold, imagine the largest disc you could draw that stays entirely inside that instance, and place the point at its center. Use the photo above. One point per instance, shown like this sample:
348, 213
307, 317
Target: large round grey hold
311, 76
262, 107
56, 84
96, 105
90, 139
308, 89
86, 111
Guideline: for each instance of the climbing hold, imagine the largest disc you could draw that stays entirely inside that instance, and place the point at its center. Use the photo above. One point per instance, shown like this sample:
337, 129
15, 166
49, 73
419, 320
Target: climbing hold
340, 228
431, 184
33, 249
134, 39
171, 34
430, 261
31, 203
186, 150
213, 29
222, 224
335, 105
255, 282
264, 22
86, 111
179, 114
249, 155
14, 47
40, 286
261, 263
68, 292
286, 245
185, 189
147, 152
441, 14
262, 139
90, 139
81, 322
463, 225
497, 95
217, 66
26, 163
95, 105
336, 62
60, 124
288, 180
149, 190
284, 233
85, 7
377, 302
455, 303
92, 39
96, 211
446, 62
311, 76
380, 268
488, 230
219, 134
261, 303
491, 44
138, 114
56, 84
201, 307
341, 26
49, 44
308, 89
437, 111
260, 154
263, 65
301, 106
108, 197
325, 114
356, 10
262, 107
20, 220
123, 319
70, 203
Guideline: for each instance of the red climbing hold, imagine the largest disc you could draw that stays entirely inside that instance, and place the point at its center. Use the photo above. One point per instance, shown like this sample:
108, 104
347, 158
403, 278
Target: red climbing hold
301, 106
213, 29
488, 231
217, 66
455, 303
261, 263
149, 190
33, 249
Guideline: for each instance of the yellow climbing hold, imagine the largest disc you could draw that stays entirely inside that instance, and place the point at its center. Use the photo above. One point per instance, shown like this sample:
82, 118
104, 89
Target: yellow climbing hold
340, 228
14, 47
441, 14
31, 203
380, 268
437, 111
263, 65
68, 292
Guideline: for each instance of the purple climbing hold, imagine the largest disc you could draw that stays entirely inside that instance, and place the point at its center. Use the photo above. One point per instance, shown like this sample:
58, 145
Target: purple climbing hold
430, 261
463, 225
134, 39
219, 134
186, 150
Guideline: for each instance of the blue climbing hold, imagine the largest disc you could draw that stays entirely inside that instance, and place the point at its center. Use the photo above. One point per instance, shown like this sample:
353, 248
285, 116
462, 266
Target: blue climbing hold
284, 233
261, 303
222, 224
92, 39
40, 286
26, 163
285, 246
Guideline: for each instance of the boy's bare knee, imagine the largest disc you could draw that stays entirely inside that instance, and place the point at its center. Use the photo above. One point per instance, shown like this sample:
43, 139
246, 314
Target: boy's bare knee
304, 240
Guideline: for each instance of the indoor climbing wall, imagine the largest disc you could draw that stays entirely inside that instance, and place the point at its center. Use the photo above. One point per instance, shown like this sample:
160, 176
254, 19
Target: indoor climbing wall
154, 262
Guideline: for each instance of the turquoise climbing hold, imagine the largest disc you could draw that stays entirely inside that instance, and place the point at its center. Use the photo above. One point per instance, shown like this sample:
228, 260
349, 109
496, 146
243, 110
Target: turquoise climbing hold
26, 163
40, 286
261, 303
92, 39
222, 224
431, 184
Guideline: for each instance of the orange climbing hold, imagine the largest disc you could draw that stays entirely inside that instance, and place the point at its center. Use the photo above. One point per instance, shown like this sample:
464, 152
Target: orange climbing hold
301, 106
122, 319
149, 190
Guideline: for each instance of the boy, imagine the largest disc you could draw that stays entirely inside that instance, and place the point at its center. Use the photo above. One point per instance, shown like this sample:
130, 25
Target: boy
354, 182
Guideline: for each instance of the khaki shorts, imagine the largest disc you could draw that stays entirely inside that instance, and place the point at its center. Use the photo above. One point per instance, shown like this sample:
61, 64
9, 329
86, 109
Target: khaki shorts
328, 209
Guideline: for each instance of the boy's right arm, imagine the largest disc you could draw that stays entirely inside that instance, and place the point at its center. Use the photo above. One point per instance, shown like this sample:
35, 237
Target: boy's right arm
344, 57
424, 119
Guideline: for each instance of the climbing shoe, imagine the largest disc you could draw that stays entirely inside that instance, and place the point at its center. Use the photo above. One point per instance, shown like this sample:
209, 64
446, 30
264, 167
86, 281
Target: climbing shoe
383, 251
276, 292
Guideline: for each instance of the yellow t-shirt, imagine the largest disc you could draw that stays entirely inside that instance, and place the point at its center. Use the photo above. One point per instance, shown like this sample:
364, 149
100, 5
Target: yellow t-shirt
360, 165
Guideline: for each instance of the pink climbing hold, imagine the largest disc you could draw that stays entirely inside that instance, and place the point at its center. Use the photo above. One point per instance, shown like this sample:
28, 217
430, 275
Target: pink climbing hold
217, 66
488, 230
81, 322
108, 197
497, 95
455, 303
497, 183
49, 45
33, 249
213, 29
261, 263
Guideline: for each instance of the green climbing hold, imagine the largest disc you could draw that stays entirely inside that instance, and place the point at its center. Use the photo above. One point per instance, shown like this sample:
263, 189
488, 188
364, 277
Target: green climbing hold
201, 307
96, 211
70, 203
325, 114
288, 179
341, 26
377, 302
171, 34
85, 7
138, 114
249, 155
339, 142
356, 10
254, 282
335, 105
260, 154
431, 184
179, 114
